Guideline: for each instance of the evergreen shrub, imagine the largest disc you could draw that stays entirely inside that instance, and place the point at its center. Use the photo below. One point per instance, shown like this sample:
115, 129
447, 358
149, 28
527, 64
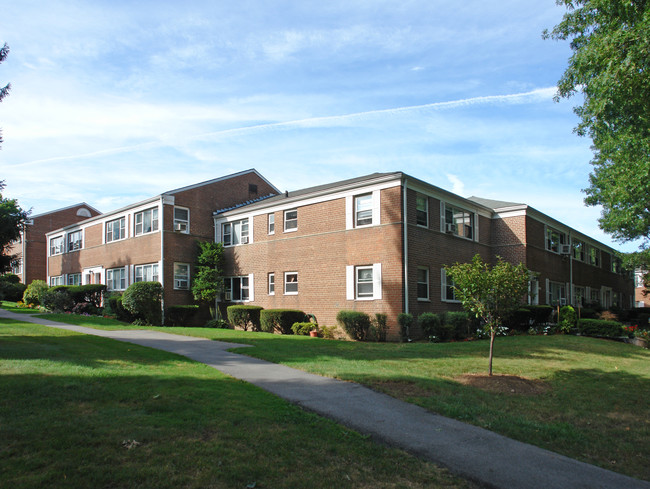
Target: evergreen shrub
281, 320
143, 301
245, 316
355, 323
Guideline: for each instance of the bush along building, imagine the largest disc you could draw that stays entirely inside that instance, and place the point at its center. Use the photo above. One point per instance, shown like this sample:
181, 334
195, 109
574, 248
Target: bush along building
380, 244
152, 240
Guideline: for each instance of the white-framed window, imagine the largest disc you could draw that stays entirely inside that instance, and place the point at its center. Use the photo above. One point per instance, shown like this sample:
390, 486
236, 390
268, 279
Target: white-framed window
235, 232
579, 295
58, 280
271, 223
363, 282
291, 220
56, 245
423, 284
617, 264
447, 286
422, 210
290, 283
116, 229
271, 283
146, 273
238, 289
554, 239
75, 240
17, 266
457, 221
181, 276
146, 221
594, 256
533, 290
363, 210
116, 279
555, 293
579, 250
74, 279
181, 220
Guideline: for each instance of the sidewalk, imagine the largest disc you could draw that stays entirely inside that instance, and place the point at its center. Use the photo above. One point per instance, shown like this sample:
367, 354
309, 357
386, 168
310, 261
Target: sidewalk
474, 453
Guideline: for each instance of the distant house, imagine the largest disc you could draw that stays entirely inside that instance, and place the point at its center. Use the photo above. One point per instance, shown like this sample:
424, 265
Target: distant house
152, 240
31, 247
641, 300
379, 244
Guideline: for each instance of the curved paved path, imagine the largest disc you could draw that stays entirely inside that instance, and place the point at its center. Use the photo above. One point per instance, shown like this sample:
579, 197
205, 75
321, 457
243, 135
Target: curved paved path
477, 454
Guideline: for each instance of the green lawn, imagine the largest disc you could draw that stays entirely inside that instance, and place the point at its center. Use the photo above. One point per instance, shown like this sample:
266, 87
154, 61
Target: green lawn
592, 403
80, 411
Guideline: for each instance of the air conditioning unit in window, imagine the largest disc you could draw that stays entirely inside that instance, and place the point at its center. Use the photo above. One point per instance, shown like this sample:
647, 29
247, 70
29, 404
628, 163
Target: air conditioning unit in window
244, 240
227, 296
565, 249
450, 228
180, 226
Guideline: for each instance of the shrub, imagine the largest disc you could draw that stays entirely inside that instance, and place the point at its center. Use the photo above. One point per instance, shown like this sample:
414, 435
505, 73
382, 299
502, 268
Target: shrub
568, 319
57, 300
9, 278
458, 324
328, 332
117, 309
217, 323
355, 324
600, 327
10, 288
87, 308
32, 295
281, 320
243, 316
180, 315
381, 326
405, 320
303, 328
429, 323
143, 300
92, 293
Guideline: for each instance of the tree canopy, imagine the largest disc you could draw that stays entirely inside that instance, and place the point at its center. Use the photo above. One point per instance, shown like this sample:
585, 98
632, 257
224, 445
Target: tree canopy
489, 293
610, 66
4, 91
208, 277
12, 219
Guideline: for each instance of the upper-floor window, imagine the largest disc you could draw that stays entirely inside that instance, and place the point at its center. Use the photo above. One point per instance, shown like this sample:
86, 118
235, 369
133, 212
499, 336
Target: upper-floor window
617, 265
458, 222
235, 232
554, 239
271, 223
56, 245
146, 273
422, 210
594, 256
116, 279
363, 210
291, 220
423, 284
146, 221
181, 276
115, 230
74, 279
181, 220
75, 240
578, 250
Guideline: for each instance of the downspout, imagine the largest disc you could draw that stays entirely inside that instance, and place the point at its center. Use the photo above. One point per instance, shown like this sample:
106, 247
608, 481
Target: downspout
162, 256
405, 247
571, 270
24, 257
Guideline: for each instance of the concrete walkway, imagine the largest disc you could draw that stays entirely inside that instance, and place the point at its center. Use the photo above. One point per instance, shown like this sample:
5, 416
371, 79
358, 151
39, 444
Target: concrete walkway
474, 453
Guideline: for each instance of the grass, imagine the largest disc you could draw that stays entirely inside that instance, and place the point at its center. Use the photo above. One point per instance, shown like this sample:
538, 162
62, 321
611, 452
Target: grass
80, 411
593, 408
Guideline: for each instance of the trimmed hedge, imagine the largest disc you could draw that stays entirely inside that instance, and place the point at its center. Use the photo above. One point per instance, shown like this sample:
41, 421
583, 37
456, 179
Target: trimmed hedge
600, 327
180, 315
11, 289
243, 316
117, 309
356, 324
281, 320
381, 326
57, 299
405, 320
143, 300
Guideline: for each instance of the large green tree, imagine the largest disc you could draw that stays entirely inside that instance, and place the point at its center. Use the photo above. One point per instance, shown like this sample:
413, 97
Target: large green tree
208, 275
491, 293
4, 91
12, 219
610, 67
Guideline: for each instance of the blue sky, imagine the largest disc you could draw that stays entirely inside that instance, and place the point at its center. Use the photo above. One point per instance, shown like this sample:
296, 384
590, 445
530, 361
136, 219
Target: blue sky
117, 101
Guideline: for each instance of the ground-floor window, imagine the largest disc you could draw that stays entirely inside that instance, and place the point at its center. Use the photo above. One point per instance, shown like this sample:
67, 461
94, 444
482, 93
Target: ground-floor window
238, 288
116, 279
74, 279
181, 276
423, 284
271, 281
447, 285
146, 273
556, 294
58, 280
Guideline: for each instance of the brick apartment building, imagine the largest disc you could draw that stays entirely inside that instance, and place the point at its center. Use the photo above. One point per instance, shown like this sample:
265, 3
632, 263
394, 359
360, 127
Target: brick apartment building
150, 240
379, 244
640, 299
31, 248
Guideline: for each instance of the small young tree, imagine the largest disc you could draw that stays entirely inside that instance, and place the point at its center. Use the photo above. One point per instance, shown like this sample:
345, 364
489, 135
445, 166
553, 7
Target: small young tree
208, 277
489, 293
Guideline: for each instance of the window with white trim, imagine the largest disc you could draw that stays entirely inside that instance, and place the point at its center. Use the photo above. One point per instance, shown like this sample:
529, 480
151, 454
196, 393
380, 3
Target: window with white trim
58, 280
17, 266
235, 232
181, 220
291, 220
271, 223
181, 276
291, 283
533, 290
448, 289
579, 295
56, 245
146, 221
422, 210
237, 289
554, 239
457, 221
116, 279
116, 229
146, 273
363, 282
579, 248
423, 284
363, 210
556, 294
271, 283
75, 240
594, 256
74, 279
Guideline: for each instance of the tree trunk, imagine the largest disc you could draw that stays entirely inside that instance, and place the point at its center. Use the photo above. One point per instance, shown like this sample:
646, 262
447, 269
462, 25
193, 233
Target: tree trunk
492, 335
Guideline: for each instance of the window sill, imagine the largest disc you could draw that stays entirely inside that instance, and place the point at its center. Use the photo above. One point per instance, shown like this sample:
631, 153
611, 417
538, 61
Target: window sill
420, 299
291, 230
291, 293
